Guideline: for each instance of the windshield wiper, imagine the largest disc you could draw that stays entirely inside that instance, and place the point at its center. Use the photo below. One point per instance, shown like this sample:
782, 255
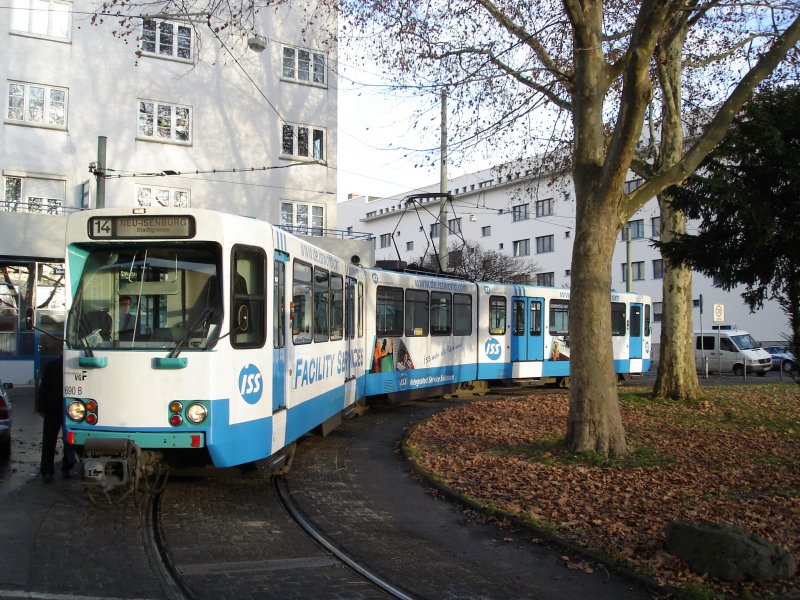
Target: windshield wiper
207, 312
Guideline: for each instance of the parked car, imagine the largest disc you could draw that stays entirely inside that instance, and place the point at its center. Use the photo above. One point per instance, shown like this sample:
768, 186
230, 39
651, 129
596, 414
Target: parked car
5, 419
781, 357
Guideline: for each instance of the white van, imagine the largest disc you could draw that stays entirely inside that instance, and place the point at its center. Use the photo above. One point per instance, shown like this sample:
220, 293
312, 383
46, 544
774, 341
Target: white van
736, 349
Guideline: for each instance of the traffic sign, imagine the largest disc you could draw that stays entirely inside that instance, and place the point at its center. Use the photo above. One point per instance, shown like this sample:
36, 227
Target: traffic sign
719, 313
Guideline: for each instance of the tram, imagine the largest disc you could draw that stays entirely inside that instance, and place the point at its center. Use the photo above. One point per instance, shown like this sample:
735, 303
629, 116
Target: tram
196, 337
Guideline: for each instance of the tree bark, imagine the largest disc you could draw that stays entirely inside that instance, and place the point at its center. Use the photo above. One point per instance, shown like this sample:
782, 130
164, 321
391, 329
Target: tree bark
595, 422
677, 374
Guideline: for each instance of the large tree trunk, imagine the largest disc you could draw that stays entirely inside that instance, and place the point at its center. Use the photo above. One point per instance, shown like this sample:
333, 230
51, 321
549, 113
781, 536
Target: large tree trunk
595, 422
677, 375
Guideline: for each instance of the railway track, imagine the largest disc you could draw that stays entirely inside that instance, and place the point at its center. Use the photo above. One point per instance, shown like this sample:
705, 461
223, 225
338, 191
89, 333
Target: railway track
265, 568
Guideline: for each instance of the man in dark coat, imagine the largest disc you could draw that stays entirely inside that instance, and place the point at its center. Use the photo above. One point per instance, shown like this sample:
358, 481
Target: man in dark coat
50, 404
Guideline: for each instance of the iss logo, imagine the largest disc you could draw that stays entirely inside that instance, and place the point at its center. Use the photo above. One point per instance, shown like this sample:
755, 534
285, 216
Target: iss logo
493, 349
486, 289
251, 384
403, 382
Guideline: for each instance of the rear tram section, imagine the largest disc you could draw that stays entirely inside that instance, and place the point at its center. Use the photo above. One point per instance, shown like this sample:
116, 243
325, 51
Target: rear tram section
197, 337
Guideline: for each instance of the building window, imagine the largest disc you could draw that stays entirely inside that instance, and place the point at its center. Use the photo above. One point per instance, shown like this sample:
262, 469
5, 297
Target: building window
544, 208
521, 279
166, 39
567, 234
409, 246
161, 196
568, 273
631, 185
37, 104
545, 279
658, 268
655, 224
42, 17
544, 244
522, 248
386, 240
302, 141
486, 231
519, 212
303, 219
636, 228
637, 271
165, 122
657, 311
434, 230
304, 65
33, 195
454, 225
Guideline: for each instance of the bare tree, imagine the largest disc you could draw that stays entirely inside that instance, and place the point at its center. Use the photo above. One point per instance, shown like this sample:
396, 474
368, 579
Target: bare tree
474, 262
600, 63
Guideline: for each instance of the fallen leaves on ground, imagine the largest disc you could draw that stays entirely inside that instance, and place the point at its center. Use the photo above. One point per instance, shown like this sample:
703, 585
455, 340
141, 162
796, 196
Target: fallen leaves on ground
732, 457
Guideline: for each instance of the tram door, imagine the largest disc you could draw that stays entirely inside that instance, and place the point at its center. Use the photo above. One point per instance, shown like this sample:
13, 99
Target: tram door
635, 331
279, 333
527, 342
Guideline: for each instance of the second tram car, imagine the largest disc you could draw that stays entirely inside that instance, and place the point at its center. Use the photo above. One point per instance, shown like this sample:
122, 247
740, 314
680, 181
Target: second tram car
197, 337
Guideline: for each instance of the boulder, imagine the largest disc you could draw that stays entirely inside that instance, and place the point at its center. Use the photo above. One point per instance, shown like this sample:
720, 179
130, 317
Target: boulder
728, 553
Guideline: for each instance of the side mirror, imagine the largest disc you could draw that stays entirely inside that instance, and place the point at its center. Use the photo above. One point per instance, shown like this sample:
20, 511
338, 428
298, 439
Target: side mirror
243, 318
29, 318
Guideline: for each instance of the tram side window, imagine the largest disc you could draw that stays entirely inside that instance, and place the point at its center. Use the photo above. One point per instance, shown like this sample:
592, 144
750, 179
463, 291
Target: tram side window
441, 313
559, 317
647, 331
618, 324
389, 311
350, 308
462, 314
300, 313
248, 292
337, 306
536, 317
518, 317
278, 308
416, 313
497, 315
322, 304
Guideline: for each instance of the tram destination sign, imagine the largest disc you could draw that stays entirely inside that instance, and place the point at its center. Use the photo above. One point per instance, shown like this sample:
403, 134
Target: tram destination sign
131, 227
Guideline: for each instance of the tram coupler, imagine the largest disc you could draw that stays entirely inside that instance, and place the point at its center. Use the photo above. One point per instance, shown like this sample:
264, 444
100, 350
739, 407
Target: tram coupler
109, 463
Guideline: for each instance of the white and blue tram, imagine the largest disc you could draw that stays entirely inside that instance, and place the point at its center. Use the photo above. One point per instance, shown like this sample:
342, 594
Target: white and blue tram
241, 338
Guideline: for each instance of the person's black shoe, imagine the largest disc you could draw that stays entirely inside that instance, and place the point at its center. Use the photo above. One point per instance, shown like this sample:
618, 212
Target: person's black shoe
66, 473
48, 477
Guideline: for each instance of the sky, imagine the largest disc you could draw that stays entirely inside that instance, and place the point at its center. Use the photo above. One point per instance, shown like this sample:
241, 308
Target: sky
380, 152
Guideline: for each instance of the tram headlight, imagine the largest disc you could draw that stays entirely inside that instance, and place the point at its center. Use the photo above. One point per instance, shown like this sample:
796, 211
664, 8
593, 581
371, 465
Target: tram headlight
196, 413
76, 411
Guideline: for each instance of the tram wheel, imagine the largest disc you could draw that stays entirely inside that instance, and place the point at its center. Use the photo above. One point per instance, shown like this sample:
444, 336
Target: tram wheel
563, 383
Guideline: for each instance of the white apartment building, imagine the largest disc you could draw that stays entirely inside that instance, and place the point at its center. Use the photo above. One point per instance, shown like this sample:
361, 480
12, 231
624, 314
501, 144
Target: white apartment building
189, 118
514, 213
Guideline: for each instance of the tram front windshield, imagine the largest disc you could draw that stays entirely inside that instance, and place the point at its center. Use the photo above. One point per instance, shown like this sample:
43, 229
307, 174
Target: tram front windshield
155, 297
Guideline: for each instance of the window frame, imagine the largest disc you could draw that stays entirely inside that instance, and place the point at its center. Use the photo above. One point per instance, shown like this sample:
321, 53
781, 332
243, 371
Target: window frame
498, 315
558, 316
458, 314
254, 296
544, 208
446, 328
417, 305
158, 195
159, 43
51, 16
392, 297
300, 337
545, 244
519, 212
522, 247
293, 73
145, 120
28, 106
304, 142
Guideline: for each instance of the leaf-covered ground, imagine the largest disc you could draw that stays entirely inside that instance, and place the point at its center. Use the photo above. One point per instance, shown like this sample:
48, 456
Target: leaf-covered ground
733, 457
